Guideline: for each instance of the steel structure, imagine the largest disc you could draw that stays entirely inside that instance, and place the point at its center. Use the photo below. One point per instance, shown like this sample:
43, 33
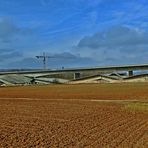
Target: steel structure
44, 57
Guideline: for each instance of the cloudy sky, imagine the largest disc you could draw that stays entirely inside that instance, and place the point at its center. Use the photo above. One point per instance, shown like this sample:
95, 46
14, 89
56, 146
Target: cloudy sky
75, 33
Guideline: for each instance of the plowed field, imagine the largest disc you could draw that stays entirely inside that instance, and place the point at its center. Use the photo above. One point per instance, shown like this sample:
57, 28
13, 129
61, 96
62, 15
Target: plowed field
70, 116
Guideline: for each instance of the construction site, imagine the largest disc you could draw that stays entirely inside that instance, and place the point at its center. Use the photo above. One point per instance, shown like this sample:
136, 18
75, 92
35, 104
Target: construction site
91, 107
108, 74
73, 74
87, 107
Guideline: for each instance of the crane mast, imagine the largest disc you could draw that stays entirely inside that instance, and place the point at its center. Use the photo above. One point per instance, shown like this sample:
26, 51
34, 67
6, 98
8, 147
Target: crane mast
44, 57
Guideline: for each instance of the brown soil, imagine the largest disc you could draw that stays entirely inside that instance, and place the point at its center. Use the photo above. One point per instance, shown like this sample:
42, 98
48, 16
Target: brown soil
41, 119
123, 91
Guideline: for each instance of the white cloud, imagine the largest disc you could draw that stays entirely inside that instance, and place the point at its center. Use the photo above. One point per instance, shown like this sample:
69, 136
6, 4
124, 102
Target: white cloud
115, 45
115, 37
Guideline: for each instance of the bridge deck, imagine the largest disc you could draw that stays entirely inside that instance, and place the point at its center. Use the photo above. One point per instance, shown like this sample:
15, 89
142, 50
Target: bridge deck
99, 69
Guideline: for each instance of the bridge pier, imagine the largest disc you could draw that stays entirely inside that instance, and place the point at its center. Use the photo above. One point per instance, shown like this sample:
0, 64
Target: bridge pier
77, 75
130, 73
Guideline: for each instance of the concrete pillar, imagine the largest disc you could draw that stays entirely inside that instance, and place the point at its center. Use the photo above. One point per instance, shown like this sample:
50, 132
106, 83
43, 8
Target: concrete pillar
130, 73
77, 75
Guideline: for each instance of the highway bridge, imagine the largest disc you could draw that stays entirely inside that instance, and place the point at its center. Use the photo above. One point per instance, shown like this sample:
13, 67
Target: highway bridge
93, 74
104, 69
98, 69
78, 71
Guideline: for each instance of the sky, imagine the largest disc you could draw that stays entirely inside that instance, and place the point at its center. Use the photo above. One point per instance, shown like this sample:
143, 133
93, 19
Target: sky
74, 33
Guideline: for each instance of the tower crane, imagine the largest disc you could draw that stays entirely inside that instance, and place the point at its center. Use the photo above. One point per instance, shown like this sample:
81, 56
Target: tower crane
44, 57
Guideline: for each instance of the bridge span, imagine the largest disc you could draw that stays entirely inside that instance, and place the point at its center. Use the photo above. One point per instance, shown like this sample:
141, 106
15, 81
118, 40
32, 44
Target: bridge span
99, 74
77, 71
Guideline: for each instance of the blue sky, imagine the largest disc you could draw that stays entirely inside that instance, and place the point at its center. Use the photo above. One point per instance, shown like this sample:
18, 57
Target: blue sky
77, 33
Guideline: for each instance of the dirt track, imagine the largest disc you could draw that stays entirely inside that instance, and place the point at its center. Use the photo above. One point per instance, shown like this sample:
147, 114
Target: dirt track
47, 122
